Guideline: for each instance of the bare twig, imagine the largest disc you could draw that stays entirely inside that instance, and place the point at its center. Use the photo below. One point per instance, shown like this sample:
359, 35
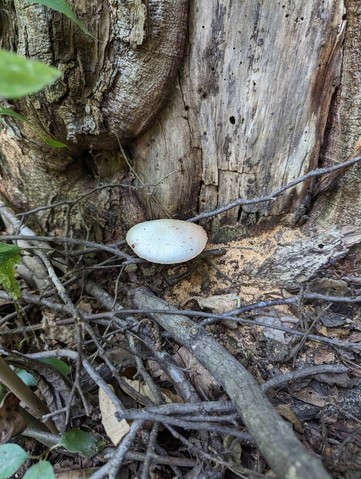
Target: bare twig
272, 196
111, 468
282, 380
216, 317
86, 244
149, 456
212, 458
180, 382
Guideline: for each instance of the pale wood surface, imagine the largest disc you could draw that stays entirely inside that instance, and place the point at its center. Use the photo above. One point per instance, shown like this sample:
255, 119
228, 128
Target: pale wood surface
250, 108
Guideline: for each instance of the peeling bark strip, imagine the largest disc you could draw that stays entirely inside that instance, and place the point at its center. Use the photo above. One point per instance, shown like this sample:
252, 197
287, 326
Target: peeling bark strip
287, 457
297, 262
113, 85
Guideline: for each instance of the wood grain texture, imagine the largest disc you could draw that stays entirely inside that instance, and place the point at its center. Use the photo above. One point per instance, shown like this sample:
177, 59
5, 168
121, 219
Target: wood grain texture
248, 113
297, 262
250, 109
114, 83
342, 204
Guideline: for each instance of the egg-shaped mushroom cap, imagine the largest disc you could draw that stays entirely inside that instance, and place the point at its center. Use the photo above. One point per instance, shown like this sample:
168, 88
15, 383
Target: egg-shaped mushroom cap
167, 241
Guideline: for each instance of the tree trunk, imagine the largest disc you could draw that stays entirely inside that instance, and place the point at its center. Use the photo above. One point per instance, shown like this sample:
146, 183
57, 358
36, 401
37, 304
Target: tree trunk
249, 113
113, 86
256, 103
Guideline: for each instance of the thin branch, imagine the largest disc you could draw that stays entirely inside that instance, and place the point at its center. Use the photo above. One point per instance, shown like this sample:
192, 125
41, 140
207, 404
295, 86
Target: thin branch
217, 317
149, 455
272, 196
211, 317
178, 377
284, 379
86, 244
112, 467
289, 457
199, 452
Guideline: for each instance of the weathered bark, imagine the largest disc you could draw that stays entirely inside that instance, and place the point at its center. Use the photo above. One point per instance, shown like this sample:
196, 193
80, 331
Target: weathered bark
113, 85
341, 205
248, 115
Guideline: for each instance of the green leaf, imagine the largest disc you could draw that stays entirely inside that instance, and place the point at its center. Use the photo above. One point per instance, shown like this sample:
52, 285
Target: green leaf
38, 133
76, 440
26, 377
42, 469
9, 258
63, 7
20, 77
12, 457
58, 364
8, 251
12, 113
53, 143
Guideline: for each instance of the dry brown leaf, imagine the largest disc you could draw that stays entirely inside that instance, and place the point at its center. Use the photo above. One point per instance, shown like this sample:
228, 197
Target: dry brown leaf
340, 333
220, 303
53, 387
12, 422
322, 330
156, 371
285, 411
144, 390
114, 428
55, 332
76, 473
85, 306
275, 319
355, 338
86, 473
174, 398
323, 355
204, 383
310, 396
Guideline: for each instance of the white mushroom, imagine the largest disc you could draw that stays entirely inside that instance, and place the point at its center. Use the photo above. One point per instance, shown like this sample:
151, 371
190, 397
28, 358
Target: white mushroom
167, 241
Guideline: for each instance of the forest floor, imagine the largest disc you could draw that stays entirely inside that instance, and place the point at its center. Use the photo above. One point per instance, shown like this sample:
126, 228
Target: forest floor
301, 343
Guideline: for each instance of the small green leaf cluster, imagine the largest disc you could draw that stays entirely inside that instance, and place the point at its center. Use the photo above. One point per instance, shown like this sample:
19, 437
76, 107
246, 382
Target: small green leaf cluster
13, 456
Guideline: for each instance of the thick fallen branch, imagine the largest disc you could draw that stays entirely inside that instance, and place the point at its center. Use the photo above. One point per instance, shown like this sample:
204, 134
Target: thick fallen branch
286, 456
